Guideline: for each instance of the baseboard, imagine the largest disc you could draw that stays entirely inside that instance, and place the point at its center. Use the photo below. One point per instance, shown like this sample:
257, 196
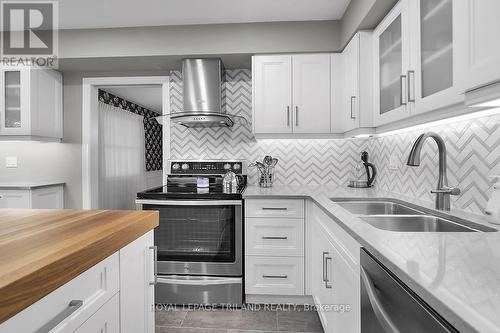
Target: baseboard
279, 299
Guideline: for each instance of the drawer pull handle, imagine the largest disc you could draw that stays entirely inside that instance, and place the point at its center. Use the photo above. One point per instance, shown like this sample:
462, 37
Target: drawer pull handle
274, 208
328, 282
155, 263
274, 237
72, 307
281, 276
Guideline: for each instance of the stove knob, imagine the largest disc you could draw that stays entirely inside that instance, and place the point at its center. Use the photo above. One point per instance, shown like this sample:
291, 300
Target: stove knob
185, 166
227, 166
176, 166
236, 166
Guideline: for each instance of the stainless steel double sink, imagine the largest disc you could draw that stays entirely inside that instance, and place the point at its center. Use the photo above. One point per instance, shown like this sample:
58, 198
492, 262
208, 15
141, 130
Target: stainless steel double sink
392, 215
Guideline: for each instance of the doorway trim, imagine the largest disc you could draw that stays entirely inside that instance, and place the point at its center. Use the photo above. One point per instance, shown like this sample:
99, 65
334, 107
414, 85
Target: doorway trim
90, 128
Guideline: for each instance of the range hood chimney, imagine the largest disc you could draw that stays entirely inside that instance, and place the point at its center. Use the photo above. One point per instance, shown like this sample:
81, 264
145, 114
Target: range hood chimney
204, 103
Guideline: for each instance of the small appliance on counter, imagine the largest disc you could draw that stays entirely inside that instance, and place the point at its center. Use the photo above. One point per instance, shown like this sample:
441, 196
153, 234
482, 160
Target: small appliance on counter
266, 170
364, 173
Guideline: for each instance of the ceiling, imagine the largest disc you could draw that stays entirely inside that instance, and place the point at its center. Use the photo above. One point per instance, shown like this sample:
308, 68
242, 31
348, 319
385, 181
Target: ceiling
78, 14
148, 96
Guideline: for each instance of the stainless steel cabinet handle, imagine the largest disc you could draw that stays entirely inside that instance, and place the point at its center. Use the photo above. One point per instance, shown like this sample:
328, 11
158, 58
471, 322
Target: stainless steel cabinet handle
288, 116
402, 84
324, 261
353, 114
280, 276
382, 315
296, 116
72, 307
411, 86
155, 263
328, 283
274, 237
274, 208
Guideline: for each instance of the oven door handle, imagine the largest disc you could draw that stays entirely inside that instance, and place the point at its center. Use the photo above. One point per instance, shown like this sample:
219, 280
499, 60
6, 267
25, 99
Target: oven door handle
197, 282
189, 202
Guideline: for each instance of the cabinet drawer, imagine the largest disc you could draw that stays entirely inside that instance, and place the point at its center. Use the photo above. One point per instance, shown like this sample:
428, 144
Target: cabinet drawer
274, 237
274, 208
274, 275
106, 319
94, 287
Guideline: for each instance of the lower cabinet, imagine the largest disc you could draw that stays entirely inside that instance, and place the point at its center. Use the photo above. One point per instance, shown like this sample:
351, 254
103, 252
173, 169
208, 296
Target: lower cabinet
46, 197
115, 295
334, 278
274, 275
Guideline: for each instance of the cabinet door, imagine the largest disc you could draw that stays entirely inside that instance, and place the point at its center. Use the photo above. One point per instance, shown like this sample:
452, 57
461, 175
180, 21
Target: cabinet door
15, 199
477, 30
14, 102
272, 94
431, 82
350, 97
311, 93
105, 320
391, 48
136, 290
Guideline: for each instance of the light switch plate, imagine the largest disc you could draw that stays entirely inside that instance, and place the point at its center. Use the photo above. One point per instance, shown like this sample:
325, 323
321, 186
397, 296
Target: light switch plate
11, 161
393, 162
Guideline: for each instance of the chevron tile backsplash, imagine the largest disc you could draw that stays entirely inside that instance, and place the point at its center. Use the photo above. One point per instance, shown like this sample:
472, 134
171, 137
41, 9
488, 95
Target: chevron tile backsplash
473, 151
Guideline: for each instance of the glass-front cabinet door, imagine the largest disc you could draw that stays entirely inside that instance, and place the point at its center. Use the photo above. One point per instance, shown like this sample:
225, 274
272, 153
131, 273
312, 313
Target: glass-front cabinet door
391, 48
14, 113
431, 78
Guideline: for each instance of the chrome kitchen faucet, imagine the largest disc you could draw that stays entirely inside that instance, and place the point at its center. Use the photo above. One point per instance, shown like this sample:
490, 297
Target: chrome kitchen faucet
443, 191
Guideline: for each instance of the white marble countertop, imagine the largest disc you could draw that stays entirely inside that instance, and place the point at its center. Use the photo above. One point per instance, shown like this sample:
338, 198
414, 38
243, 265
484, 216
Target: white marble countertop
458, 274
27, 185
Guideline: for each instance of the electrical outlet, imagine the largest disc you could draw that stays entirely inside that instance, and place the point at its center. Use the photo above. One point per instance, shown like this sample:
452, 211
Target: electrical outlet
394, 162
11, 161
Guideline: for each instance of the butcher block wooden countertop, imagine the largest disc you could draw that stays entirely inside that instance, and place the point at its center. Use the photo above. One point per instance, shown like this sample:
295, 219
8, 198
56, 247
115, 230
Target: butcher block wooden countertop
40, 250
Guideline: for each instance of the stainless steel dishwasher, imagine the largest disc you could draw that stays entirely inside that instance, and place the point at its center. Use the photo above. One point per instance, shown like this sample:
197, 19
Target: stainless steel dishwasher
389, 306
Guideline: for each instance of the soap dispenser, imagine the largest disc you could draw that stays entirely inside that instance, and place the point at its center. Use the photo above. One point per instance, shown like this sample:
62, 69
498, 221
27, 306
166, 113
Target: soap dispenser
493, 206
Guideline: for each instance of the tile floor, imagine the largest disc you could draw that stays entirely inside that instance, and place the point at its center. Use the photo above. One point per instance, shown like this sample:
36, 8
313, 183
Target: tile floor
180, 320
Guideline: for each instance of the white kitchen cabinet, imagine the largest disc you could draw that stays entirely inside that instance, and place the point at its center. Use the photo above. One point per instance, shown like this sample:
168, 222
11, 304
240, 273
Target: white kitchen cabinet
477, 31
352, 89
274, 247
30, 103
137, 286
69, 306
272, 93
291, 94
311, 93
432, 82
36, 197
392, 60
105, 320
333, 278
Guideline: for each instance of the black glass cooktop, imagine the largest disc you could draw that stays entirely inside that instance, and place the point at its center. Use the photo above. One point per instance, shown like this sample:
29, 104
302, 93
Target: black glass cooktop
183, 188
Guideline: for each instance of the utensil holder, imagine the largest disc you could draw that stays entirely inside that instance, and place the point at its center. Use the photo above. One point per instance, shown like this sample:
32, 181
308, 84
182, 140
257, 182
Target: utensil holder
266, 177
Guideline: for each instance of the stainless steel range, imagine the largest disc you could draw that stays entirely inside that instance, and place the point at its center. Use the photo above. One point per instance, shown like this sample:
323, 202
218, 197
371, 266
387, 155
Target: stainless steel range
200, 237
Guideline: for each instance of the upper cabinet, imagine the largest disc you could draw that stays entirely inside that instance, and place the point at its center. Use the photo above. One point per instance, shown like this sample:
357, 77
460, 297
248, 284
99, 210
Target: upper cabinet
432, 81
477, 31
291, 94
418, 60
30, 103
392, 63
351, 74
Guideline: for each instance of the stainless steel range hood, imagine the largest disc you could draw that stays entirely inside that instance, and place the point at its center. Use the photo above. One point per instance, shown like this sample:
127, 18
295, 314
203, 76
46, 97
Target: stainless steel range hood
204, 103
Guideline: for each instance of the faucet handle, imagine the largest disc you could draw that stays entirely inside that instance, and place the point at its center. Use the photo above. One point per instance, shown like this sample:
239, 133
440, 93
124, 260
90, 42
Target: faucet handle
447, 190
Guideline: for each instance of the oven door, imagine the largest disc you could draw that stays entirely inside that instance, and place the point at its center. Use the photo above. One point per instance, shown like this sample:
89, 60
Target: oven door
198, 237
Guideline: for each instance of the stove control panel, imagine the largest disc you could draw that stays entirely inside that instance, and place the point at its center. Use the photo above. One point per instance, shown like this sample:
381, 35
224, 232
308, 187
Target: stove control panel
205, 167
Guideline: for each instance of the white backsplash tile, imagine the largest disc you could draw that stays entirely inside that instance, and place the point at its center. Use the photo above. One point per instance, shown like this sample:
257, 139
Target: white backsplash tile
473, 151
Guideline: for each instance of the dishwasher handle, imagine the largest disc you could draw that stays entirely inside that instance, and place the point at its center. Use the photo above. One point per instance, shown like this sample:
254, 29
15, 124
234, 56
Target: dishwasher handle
381, 314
